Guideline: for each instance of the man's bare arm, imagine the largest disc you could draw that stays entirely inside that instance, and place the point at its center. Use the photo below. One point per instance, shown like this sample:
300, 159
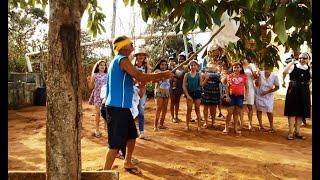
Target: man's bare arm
142, 77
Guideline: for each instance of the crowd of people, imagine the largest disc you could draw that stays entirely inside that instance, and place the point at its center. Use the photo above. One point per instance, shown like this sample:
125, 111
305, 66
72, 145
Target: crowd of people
119, 90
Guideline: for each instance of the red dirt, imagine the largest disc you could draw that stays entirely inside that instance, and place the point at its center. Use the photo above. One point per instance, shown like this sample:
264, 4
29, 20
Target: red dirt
174, 153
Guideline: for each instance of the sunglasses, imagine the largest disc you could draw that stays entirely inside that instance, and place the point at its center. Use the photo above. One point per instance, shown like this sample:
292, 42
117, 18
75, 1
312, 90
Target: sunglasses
303, 58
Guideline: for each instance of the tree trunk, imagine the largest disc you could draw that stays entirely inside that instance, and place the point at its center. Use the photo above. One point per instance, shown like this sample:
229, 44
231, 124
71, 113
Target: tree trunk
64, 108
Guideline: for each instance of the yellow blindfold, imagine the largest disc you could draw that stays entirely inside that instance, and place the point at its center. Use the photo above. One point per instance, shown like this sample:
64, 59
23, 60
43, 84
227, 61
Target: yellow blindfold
121, 44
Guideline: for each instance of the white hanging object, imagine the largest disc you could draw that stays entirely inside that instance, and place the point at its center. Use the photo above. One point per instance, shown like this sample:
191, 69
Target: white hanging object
228, 33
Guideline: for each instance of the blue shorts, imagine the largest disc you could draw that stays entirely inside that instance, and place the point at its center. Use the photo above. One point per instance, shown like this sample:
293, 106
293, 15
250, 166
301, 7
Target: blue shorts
236, 100
121, 127
195, 94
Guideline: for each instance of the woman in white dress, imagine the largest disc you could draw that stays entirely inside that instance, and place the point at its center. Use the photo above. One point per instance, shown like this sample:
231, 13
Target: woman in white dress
251, 71
266, 84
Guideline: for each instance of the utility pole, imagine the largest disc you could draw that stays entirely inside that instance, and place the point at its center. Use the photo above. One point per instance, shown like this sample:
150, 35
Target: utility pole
185, 45
113, 25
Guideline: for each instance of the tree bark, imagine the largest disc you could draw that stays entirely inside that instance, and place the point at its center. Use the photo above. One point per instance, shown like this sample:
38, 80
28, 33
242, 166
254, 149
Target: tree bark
64, 103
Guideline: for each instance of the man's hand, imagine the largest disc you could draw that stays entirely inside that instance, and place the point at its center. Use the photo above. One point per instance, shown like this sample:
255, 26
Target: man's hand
167, 74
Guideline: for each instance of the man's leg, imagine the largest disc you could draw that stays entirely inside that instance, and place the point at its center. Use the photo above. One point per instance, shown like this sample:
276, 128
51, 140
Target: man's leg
110, 157
130, 147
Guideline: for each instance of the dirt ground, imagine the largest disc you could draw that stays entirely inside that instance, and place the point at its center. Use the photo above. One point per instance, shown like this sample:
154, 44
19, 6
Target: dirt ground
174, 153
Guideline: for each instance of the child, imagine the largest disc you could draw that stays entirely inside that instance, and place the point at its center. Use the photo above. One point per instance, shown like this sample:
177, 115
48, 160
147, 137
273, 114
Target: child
172, 63
237, 84
141, 63
176, 90
191, 88
161, 94
210, 97
95, 82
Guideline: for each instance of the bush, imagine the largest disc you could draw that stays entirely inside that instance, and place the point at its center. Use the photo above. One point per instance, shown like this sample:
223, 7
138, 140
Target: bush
150, 90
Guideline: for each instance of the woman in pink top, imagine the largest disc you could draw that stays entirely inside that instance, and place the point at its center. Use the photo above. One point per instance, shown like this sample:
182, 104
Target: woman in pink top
237, 84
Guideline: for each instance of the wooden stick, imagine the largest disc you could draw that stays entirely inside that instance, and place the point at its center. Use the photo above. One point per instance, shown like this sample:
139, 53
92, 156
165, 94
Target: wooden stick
194, 54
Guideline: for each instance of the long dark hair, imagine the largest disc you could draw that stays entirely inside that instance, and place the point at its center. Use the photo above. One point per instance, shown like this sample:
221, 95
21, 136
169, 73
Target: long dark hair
159, 62
241, 67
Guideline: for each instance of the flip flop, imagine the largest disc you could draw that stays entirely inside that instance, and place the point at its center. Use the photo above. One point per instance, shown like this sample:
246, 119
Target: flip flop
162, 127
174, 120
225, 132
133, 170
251, 129
144, 137
119, 156
290, 137
134, 161
205, 126
272, 131
238, 133
300, 137
97, 134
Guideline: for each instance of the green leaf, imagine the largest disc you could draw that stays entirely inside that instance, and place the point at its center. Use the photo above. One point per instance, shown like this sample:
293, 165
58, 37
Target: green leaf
102, 27
202, 20
291, 15
189, 11
145, 14
13, 4
23, 4
246, 3
186, 27
267, 4
31, 2
176, 13
174, 3
94, 3
250, 3
280, 27
131, 2
126, 2
217, 14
